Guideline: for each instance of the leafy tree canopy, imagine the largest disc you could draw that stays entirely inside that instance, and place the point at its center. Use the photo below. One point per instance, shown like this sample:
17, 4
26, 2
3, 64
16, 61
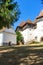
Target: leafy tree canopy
9, 13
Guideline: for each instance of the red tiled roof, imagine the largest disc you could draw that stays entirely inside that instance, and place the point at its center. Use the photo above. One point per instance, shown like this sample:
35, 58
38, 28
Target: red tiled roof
35, 21
29, 22
22, 24
40, 15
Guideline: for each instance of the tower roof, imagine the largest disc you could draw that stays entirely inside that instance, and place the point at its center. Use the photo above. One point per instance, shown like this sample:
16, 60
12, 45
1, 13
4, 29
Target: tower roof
40, 15
29, 21
10, 30
22, 23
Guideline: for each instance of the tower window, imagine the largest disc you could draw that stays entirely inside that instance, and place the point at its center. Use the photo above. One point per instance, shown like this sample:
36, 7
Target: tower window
36, 37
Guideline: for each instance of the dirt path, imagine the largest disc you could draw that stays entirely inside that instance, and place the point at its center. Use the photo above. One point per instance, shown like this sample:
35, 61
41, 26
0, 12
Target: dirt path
8, 50
22, 55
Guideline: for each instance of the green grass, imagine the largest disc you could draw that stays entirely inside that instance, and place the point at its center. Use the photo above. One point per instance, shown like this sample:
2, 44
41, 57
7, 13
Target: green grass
22, 55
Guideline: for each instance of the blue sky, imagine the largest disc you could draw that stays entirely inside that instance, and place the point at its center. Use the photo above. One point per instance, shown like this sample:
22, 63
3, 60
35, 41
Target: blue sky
29, 10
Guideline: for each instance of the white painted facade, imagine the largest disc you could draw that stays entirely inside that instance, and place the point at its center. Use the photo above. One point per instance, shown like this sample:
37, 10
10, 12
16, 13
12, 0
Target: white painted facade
27, 35
1, 39
34, 34
6, 36
38, 32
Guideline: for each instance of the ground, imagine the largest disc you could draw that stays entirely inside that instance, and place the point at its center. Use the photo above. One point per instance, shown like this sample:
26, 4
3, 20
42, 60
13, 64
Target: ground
31, 54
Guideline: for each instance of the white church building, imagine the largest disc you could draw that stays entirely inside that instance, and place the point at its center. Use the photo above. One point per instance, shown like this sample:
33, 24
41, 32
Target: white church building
32, 31
7, 37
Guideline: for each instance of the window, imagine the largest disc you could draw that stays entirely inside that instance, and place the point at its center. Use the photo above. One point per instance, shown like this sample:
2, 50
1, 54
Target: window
36, 37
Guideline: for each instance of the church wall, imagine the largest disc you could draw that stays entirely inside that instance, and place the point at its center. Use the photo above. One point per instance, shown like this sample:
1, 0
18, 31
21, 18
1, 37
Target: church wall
38, 32
1, 38
28, 35
8, 37
40, 25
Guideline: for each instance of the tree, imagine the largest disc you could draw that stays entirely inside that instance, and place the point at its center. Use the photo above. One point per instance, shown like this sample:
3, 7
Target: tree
9, 13
41, 1
19, 37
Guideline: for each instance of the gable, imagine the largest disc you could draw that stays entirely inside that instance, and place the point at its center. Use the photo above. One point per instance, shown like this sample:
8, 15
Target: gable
10, 30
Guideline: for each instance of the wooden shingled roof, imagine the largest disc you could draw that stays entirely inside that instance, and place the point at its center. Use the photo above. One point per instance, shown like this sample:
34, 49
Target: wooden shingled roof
29, 22
24, 23
40, 15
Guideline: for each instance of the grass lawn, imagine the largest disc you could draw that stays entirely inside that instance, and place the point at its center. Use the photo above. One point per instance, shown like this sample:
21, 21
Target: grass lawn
21, 55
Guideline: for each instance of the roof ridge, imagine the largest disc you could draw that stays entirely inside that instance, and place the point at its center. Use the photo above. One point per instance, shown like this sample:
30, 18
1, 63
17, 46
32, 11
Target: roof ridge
40, 14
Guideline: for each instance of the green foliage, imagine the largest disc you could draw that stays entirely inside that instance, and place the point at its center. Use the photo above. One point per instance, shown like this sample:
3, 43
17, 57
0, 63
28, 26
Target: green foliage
19, 36
9, 13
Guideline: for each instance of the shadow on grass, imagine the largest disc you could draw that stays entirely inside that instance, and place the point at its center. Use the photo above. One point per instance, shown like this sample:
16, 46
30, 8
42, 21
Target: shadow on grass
24, 55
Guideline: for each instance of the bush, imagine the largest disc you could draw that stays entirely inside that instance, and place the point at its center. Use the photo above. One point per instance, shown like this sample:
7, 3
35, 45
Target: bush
19, 38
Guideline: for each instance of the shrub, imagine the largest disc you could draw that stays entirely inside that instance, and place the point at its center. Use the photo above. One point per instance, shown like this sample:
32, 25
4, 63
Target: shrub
19, 37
